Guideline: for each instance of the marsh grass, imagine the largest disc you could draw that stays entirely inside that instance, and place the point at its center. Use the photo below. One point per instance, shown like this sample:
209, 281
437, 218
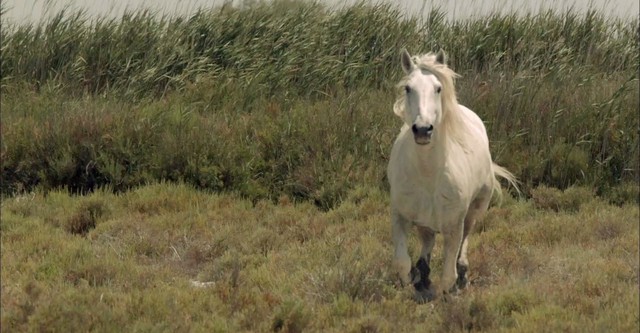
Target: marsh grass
287, 267
292, 100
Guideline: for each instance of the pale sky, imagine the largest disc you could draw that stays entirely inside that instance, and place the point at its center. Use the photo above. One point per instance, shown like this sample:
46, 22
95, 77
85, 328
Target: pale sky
34, 10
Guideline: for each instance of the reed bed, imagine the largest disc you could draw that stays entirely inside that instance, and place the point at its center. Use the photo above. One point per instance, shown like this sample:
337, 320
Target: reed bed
292, 99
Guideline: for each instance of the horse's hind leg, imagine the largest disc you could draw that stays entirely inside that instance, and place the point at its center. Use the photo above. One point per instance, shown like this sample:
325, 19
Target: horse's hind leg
462, 265
401, 260
424, 292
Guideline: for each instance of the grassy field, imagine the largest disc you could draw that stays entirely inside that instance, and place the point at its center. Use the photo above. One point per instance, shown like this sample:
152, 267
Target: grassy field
560, 262
247, 147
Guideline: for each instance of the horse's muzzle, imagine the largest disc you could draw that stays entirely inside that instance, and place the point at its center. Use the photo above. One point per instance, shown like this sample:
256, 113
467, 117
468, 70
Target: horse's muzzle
422, 134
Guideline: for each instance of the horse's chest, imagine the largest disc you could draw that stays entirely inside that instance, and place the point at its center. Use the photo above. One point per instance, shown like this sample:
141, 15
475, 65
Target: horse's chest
416, 206
424, 207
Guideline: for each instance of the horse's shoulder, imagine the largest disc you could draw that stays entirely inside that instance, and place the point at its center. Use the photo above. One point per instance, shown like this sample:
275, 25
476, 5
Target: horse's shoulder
471, 116
477, 132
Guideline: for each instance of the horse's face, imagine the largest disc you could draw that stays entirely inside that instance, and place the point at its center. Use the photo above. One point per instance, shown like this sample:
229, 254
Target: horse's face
423, 108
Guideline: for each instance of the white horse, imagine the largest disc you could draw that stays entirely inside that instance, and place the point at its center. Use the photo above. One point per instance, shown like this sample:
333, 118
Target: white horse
441, 174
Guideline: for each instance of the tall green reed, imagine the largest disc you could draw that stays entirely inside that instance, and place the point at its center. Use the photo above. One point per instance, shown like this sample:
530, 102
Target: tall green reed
293, 99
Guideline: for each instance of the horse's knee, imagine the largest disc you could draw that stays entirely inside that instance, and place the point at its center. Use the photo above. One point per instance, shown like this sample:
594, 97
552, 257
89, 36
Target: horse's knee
402, 267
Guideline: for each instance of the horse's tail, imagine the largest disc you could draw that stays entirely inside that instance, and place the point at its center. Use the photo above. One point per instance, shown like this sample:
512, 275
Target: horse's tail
501, 172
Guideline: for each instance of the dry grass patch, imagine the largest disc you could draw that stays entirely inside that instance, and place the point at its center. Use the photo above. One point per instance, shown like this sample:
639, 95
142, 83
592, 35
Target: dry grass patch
284, 267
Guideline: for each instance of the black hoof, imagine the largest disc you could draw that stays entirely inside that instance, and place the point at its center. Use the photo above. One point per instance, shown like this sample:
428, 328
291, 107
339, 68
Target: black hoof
424, 296
461, 281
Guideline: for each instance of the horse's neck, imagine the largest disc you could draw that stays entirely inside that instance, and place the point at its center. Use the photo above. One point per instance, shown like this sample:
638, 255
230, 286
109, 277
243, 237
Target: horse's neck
430, 159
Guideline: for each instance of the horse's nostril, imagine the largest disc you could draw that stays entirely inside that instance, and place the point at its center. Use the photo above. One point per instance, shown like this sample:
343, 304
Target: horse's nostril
423, 130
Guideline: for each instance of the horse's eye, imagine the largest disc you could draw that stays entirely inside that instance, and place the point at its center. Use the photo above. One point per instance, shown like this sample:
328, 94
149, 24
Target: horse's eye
439, 89
407, 89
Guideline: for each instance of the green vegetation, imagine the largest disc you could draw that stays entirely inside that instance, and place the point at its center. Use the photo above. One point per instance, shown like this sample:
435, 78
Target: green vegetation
107, 261
294, 100
247, 147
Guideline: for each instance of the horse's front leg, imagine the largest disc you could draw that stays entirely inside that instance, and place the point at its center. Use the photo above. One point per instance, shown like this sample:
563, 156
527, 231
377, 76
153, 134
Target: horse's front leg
452, 242
401, 260
424, 290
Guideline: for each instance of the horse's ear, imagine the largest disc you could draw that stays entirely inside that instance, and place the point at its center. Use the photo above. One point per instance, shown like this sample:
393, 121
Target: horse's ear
441, 57
405, 60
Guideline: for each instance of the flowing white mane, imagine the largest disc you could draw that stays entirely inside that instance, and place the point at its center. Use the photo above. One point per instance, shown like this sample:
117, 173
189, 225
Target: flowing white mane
455, 127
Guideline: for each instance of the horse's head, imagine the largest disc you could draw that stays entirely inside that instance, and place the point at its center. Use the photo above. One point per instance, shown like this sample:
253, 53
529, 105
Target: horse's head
422, 109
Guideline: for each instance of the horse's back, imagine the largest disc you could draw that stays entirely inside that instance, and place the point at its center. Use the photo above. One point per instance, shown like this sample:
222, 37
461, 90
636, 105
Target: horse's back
476, 124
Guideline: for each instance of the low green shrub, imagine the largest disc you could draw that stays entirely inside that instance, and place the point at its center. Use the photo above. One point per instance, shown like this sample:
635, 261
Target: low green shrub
292, 99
